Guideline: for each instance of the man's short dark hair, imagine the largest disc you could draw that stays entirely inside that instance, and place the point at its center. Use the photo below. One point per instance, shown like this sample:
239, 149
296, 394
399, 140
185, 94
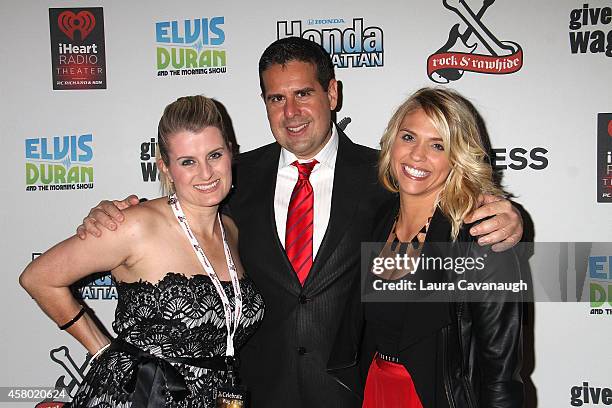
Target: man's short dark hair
297, 49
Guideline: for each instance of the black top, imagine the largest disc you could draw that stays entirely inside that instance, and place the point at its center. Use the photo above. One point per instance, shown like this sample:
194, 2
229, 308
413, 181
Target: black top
178, 316
385, 319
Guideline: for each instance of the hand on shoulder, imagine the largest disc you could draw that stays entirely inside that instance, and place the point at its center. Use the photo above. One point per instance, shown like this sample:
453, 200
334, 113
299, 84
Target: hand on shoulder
146, 217
105, 216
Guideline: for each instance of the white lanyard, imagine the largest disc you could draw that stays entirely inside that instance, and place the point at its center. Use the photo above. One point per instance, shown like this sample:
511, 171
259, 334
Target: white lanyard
231, 328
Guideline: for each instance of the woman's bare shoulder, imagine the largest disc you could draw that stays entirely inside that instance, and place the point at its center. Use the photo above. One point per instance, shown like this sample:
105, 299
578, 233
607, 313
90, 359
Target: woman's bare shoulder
147, 216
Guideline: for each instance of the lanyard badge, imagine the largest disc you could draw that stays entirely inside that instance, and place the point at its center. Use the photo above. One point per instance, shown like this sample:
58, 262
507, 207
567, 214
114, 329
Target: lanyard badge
229, 395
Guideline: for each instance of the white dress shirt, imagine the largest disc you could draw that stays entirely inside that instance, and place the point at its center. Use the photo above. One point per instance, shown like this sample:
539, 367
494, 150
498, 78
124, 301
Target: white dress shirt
322, 181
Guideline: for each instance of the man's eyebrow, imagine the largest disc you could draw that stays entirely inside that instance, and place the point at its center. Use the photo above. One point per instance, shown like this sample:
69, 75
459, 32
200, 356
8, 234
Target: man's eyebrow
306, 90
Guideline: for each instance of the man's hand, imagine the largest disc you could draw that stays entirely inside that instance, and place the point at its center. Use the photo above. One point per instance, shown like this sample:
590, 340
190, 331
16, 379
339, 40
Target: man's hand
504, 230
106, 214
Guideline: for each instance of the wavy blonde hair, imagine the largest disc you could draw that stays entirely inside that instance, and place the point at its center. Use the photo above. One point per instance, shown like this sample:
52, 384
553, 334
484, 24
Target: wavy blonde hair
455, 120
187, 113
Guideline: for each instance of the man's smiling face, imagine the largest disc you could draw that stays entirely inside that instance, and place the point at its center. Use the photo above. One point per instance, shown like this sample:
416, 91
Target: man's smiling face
299, 109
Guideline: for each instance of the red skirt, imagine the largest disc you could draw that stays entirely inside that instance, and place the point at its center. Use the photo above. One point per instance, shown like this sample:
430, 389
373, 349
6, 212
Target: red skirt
389, 385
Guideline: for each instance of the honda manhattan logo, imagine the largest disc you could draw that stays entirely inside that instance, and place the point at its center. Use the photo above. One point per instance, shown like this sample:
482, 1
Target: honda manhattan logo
354, 44
472, 46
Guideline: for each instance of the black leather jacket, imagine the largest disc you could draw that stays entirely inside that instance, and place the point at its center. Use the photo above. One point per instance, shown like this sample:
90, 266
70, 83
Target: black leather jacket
464, 353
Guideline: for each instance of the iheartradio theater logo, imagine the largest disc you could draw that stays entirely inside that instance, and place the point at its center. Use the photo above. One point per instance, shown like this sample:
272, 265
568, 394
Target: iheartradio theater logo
77, 48
604, 158
472, 46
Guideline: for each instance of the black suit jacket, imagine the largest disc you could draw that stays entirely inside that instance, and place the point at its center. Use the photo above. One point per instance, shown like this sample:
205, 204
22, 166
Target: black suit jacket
284, 363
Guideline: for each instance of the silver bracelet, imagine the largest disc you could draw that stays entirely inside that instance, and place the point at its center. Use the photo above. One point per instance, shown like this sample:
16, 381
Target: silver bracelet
95, 356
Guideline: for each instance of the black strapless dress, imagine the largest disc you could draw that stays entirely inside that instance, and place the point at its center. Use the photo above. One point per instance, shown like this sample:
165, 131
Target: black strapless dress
179, 316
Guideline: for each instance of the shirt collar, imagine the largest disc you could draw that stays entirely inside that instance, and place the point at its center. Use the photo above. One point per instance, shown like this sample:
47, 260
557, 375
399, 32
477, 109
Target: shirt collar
326, 157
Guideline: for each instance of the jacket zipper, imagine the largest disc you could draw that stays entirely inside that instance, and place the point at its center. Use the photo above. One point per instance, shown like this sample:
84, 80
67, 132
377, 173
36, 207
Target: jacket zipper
445, 373
464, 380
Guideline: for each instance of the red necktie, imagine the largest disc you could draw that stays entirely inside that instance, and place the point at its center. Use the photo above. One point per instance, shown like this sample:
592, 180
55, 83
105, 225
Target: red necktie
300, 216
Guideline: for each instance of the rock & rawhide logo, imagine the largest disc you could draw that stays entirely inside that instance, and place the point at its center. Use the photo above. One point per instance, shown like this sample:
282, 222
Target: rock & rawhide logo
68, 383
351, 43
472, 46
59, 163
191, 47
77, 48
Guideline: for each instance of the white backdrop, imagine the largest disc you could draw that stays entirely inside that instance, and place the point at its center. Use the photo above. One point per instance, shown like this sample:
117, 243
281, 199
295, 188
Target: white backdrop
552, 102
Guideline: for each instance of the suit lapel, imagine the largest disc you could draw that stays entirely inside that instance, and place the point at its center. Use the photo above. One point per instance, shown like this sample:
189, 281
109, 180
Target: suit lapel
265, 181
343, 205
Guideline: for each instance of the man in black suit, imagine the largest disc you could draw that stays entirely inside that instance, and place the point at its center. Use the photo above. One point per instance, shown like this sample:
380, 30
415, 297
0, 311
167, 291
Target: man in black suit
284, 363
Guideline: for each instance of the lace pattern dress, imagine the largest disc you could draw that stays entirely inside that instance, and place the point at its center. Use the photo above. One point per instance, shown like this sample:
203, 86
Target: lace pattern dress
179, 316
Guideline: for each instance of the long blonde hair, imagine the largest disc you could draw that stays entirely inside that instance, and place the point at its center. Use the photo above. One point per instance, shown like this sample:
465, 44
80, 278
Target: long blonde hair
455, 119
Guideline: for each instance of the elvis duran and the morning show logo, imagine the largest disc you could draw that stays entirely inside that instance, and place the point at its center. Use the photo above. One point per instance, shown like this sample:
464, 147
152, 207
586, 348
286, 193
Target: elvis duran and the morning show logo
585, 39
590, 264
604, 158
472, 46
600, 284
191, 47
78, 57
352, 43
59, 163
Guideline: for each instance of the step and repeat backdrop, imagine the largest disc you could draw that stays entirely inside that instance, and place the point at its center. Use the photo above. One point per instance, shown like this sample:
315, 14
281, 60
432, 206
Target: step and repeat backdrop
83, 85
